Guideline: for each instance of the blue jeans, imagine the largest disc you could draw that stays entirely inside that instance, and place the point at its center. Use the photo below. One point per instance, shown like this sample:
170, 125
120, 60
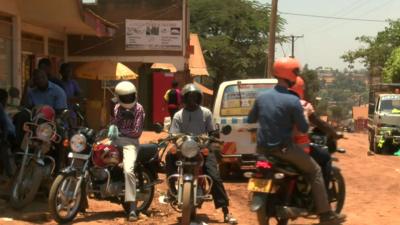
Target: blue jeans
324, 160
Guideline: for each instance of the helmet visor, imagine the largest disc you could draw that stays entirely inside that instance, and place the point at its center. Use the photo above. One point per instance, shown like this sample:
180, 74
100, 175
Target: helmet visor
127, 99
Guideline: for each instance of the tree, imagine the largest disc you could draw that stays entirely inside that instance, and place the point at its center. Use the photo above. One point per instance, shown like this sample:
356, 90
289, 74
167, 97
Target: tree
376, 50
391, 71
233, 34
312, 84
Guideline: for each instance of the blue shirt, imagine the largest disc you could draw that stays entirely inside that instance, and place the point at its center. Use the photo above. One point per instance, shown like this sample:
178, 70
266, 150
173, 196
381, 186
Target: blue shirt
277, 112
6, 123
54, 96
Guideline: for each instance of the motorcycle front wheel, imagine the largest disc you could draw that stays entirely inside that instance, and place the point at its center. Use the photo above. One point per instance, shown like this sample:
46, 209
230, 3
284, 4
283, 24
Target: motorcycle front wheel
63, 207
24, 190
188, 208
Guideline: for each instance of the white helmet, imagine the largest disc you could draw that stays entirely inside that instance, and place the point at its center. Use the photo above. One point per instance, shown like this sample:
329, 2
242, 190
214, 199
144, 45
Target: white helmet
126, 94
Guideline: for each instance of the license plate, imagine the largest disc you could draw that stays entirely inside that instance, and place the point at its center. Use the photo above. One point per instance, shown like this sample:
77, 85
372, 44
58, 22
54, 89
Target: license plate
74, 155
260, 185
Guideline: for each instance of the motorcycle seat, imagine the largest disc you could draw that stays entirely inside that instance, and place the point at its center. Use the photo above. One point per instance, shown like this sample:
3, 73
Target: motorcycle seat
283, 166
147, 152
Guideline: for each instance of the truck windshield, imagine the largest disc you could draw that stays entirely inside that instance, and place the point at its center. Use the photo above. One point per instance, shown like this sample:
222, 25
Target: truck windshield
235, 103
390, 105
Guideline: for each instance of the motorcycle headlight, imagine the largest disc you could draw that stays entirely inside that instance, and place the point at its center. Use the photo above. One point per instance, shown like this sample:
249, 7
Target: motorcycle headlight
78, 143
190, 148
44, 131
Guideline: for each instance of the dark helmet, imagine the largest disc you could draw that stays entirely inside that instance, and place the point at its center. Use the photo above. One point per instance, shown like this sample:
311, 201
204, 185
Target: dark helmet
191, 88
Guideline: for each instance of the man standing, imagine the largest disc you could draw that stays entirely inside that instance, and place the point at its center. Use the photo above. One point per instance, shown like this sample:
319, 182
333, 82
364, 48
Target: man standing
71, 88
45, 65
173, 99
278, 112
45, 92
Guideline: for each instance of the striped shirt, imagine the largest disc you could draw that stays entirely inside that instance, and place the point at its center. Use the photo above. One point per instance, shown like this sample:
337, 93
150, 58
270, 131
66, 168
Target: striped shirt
129, 121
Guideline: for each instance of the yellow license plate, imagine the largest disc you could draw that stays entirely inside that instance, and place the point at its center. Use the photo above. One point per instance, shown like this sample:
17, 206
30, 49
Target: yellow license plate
260, 185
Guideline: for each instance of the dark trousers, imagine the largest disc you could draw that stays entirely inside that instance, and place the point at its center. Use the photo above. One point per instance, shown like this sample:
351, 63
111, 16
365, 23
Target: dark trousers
210, 168
324, 160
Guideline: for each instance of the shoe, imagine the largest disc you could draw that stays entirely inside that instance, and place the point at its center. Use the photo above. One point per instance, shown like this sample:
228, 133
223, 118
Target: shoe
132, 217
228, 218
331, 218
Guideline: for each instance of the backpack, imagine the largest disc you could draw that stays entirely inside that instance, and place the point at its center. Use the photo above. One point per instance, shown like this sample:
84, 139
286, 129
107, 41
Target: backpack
172, 97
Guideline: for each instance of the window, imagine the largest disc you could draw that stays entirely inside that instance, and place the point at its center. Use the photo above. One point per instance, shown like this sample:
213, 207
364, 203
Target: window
56, 47
239, 103
390, 104
5, 51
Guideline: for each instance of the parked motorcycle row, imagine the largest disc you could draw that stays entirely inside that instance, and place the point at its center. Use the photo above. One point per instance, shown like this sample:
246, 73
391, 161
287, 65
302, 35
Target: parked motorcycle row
279, 191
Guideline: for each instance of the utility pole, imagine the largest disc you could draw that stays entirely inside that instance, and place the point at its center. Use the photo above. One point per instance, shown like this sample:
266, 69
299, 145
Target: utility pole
293, 39
271, 41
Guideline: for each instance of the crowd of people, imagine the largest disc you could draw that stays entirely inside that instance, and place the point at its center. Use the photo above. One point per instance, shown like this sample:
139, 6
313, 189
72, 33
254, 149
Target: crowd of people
282, 113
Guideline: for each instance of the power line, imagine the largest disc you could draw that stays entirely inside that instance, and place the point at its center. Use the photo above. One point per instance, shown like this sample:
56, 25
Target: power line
333, 17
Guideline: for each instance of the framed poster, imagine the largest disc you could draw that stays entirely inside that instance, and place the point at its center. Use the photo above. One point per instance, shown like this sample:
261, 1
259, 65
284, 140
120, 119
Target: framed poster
153, 35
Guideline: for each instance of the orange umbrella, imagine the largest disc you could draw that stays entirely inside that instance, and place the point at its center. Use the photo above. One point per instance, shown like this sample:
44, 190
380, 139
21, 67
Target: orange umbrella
105, 70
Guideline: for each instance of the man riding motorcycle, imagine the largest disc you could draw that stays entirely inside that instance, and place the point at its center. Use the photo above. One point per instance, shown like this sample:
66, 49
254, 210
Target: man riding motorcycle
321, 156
278, 112
195, 119
128, 117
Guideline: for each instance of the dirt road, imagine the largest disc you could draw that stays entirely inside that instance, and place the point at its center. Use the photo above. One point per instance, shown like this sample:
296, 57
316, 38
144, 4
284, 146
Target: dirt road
373, 196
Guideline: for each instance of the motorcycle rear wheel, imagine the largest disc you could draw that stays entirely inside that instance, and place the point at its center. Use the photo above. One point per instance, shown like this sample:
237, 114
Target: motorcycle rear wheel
263, 219
24, 191
337, 190
61, 198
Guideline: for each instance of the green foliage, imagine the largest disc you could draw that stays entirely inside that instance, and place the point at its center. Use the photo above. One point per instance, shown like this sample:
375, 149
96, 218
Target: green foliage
376, 50
338, 98
391, 71
233, 35
312, 84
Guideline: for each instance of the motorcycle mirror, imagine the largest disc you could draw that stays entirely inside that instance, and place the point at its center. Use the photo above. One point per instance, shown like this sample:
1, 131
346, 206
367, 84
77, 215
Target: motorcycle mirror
65, 114
226, 129
158, 128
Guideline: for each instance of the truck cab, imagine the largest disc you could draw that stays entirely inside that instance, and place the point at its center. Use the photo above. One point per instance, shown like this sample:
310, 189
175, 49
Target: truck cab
384, 122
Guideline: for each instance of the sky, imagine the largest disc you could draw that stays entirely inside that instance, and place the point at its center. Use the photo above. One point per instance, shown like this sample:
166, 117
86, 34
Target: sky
325, 40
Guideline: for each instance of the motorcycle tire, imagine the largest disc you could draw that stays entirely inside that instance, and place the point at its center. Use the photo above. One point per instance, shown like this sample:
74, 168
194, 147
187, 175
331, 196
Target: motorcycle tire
59, 183
34, 173
263, 219
187, 203
148, 192
340, 194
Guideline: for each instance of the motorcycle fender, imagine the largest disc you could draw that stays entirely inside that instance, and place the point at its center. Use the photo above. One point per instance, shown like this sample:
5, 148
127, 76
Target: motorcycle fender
188, 177
257, 201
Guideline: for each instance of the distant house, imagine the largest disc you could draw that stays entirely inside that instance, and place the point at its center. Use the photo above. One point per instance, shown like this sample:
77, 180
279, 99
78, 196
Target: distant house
360, 117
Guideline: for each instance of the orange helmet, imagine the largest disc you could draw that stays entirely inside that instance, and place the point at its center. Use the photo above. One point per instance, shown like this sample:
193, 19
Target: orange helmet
298, 87
286, 68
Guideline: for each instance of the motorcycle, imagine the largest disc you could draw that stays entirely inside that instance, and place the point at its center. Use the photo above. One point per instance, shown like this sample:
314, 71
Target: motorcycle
95, 171
35, 167
281, 193
193, 187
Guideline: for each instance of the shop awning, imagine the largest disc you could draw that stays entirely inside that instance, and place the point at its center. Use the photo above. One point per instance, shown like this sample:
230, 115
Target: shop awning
204, 89
66, 16
197, 64
164, 66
